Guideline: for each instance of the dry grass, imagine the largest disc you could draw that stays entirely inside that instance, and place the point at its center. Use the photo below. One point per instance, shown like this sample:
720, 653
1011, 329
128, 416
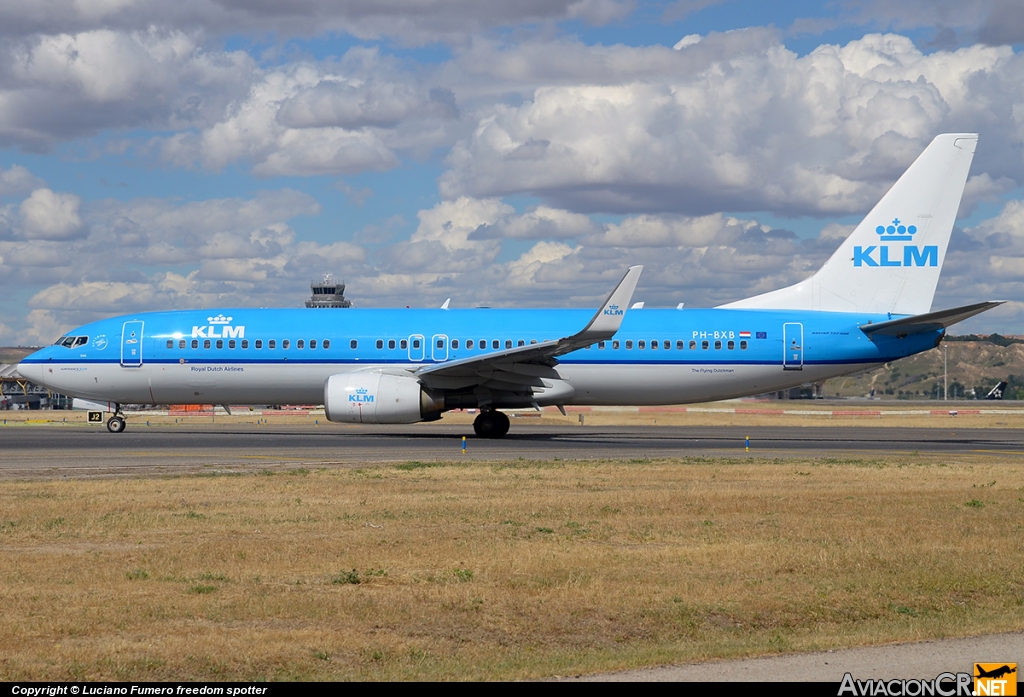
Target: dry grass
516, 570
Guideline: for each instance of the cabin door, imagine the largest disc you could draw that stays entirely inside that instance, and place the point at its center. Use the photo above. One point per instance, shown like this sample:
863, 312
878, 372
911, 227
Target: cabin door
793, 346
131, 344
416, 348
439, 348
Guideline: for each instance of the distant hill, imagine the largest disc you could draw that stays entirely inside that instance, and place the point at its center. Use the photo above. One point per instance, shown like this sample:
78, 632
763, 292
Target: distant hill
14, 354
975, 365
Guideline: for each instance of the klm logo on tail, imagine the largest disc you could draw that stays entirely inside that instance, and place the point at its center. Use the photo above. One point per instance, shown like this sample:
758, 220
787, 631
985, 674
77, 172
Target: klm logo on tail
884, 255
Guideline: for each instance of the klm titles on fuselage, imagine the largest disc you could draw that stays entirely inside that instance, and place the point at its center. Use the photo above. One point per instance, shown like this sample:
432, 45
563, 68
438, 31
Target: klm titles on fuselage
912, 255
219, 327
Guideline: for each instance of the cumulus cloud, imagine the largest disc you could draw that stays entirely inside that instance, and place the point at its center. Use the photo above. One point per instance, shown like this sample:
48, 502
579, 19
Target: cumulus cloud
411, 21
17, 180
332, 118
736, 122
59, 86
46, 215
231, 251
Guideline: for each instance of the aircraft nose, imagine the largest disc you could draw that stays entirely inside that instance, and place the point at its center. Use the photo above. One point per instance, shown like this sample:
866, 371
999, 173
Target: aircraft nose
32, 372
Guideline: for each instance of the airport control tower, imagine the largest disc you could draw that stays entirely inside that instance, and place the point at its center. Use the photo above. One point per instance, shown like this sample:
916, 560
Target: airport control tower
327, 293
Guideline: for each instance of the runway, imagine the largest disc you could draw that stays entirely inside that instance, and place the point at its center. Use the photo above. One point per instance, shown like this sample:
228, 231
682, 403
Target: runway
78, 450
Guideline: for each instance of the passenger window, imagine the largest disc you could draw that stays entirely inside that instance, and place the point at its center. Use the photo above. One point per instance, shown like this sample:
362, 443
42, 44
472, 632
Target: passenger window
195, 343
718, 345
693, 345
380, 343
245, 343
285, 343
415, 343
533, 341
231, 344
731, 345
508, 343
600, 344
403, 344
615, 345
259, 343
680, 345
455, 343
272, 344
327, 343
629, 344
743, 346
391, 343
181, 344
640, 344
206, 344
654, 345
312, 343
495, 344
170, 343
667, 345
300, 344
353, 344
704, 344
469, 343
220, 343
440, 343
521, 343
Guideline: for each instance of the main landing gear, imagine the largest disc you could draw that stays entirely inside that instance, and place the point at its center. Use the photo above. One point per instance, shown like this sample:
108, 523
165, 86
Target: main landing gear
116, 423
491, 424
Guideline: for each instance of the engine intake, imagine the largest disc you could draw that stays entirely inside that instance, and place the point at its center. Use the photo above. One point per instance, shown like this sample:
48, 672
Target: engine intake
373, 397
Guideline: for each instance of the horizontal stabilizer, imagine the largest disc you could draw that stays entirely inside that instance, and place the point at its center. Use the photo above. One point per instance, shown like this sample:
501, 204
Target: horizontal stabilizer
928, 322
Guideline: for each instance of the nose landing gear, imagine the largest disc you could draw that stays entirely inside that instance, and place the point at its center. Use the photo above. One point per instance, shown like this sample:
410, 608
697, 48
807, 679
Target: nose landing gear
491, 424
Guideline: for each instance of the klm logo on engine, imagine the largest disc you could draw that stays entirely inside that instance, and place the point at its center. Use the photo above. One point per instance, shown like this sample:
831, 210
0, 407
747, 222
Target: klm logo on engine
219, 327
885, 255
614, 310
361, 395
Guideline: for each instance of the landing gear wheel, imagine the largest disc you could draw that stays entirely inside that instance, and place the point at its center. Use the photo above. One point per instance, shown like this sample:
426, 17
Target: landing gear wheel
491, 424
116, 424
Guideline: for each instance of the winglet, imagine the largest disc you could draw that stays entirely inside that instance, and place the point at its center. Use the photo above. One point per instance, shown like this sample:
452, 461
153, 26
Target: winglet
609, 317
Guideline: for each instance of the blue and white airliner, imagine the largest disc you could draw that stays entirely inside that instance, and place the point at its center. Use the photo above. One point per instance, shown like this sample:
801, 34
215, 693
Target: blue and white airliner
869, 304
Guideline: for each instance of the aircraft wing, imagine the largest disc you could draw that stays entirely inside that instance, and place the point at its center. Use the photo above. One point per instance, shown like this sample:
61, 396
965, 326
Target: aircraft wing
905, 326
605, 322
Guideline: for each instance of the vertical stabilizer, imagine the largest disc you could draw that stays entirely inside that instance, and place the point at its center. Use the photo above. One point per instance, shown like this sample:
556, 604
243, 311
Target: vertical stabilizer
891, 261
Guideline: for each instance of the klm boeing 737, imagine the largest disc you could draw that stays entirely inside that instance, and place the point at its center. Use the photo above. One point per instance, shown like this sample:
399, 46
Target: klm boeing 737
869, 304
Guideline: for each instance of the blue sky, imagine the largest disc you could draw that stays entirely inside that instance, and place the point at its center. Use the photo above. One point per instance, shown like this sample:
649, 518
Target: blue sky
157, 156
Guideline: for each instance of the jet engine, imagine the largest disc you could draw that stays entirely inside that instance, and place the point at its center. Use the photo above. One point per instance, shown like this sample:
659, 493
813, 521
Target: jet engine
373, 397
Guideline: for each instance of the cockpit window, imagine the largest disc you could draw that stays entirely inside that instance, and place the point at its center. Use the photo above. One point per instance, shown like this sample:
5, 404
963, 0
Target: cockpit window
71, 341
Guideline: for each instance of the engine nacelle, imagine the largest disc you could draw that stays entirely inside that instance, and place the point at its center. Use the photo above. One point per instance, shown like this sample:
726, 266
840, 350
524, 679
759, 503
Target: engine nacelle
373, 397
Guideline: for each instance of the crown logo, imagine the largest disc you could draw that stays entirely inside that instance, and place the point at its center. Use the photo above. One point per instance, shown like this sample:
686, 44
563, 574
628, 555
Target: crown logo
362, 390
219, 319
896, 231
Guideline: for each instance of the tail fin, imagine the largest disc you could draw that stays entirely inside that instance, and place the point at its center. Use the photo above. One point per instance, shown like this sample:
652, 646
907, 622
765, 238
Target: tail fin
891, 262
